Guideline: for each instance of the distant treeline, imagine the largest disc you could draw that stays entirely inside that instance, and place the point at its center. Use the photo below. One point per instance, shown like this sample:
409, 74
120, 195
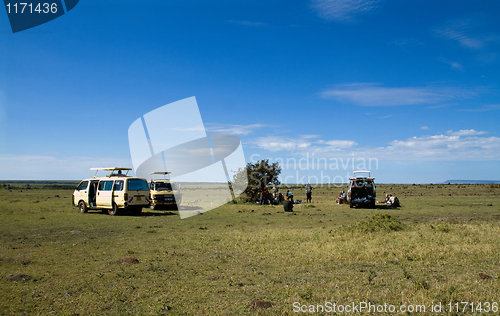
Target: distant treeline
38, 184
472, 182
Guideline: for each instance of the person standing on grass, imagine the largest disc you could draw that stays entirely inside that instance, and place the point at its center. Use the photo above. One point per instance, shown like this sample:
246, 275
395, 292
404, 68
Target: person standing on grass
275, 194
263, 196
275, 190
308, 192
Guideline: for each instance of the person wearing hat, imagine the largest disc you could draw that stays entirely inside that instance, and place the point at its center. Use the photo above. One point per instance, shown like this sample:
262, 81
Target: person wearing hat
288, 203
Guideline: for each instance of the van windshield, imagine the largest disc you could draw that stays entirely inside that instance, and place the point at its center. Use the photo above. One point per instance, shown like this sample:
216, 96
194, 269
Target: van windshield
162, 186
137, 185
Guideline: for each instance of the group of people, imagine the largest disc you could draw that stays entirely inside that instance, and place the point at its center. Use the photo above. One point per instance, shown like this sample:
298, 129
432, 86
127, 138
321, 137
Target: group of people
391, 200
277, 197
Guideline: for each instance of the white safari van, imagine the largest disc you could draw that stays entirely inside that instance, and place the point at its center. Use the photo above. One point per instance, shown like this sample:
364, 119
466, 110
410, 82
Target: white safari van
164, 193
362, 190
113, 192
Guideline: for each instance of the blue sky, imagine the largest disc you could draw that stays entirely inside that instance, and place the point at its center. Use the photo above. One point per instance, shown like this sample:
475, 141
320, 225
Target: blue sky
411, 86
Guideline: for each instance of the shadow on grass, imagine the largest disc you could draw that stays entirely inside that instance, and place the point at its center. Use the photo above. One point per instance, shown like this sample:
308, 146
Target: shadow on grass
144, 213
380, 207
386, 207
147, 212
190, 208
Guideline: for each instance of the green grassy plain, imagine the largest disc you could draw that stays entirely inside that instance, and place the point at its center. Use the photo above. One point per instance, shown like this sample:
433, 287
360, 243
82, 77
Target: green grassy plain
430, 250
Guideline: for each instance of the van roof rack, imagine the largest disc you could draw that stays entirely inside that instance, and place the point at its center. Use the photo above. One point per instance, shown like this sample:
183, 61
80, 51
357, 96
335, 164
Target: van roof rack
166, 175
361, 171
111, 169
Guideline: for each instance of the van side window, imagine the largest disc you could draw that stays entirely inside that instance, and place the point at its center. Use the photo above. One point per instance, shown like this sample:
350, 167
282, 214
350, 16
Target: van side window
82, 186
105, 186
118, 185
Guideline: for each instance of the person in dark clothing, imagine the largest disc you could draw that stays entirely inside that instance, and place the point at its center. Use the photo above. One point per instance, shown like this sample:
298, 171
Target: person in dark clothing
288, 204
263, 196
308, 193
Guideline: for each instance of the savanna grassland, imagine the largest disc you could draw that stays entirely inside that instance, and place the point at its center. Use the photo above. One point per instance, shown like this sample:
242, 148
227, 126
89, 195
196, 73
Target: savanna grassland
440, 247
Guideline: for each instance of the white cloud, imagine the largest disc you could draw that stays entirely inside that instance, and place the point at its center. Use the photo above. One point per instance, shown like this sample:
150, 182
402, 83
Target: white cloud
371, 94
461, 31
471, 34
466, 132
341, 143
309, 136
276, 143
233, 129
457, 66
464, 145
446, 148
425, 127
454, 65
343, 10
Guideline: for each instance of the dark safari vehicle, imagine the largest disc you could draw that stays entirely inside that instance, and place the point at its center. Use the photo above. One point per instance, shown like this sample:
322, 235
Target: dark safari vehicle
361, 190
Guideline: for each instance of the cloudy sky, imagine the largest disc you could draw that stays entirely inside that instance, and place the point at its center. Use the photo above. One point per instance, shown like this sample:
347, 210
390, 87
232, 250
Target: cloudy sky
408, 89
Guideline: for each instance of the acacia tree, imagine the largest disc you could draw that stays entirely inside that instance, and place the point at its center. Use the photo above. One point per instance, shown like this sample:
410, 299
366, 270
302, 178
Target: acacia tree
259, 175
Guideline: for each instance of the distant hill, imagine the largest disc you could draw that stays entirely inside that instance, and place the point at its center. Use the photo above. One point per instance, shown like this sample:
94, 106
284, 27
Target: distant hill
471, 181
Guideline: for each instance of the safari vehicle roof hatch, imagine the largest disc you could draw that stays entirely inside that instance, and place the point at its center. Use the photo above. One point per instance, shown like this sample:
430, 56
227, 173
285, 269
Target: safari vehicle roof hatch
111, 174
165, 175
357, 172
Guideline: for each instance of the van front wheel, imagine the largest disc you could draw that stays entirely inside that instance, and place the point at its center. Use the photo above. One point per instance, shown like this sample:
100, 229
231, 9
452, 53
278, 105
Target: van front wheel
82, 207
114, 210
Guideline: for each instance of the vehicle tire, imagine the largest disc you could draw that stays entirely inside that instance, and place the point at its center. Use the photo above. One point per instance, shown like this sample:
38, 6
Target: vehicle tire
350, 205
114, 210
82, 207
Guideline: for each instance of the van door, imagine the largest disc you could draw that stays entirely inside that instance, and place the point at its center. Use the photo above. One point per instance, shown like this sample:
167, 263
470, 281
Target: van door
118, 194
105, 194
138, 192
81, 192
93, 192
